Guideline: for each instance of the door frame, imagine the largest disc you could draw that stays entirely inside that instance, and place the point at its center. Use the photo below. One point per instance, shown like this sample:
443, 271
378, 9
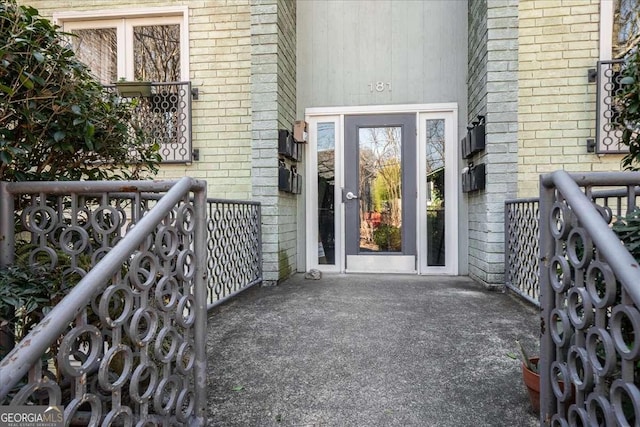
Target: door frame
423, 112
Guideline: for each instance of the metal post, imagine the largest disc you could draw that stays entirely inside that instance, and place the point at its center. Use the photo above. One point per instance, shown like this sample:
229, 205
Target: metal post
7, 231
259, 219
7, 255
507, 226
547, 298
200, 294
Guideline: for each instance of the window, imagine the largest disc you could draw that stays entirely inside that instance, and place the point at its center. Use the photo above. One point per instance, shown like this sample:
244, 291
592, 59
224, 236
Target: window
619, 28
142, 45
626, 27
149, 45
619, 37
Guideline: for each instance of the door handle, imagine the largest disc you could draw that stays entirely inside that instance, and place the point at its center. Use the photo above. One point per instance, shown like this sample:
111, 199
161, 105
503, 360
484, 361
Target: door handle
350, 196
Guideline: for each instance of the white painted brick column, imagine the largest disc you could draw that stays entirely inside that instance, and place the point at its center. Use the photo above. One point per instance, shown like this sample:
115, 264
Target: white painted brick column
273, 107
493, 92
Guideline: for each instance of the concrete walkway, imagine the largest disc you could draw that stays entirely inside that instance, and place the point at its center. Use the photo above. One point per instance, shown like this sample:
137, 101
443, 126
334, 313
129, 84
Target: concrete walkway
369, 350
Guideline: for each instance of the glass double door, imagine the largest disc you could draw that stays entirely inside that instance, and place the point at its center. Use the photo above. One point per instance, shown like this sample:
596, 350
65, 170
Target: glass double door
377, 185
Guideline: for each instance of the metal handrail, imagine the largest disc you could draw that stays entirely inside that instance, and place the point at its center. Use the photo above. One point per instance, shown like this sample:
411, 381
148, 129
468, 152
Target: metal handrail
560, 190
18, 362
622, 262
629, 193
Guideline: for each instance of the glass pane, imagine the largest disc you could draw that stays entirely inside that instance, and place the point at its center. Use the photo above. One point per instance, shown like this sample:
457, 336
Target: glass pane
326, 191
626, 28
97, 47
435, 193
380, 189
156, 52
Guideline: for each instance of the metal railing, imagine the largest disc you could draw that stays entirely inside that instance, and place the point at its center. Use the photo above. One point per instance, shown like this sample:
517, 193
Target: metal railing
521, 234
589, 299
234, 247
521, 247
165, 116
608, 133
127, 344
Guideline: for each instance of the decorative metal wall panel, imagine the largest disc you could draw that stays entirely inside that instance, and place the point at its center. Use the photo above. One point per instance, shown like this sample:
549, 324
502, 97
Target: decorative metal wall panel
607, 132
132, 355
521, 248
589, 304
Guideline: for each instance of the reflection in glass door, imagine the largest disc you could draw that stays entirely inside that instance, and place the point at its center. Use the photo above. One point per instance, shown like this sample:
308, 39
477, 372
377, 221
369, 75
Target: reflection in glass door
326, 167
380, 189
435, 192
380, 192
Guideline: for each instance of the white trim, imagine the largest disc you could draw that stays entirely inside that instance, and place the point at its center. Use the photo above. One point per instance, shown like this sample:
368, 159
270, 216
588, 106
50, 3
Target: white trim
381, 264
124, 20
311, 204
147, 12
606, 29
448, 111
451, 193
382, 109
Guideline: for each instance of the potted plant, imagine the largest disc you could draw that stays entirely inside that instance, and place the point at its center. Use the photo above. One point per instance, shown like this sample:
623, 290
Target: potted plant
530, 377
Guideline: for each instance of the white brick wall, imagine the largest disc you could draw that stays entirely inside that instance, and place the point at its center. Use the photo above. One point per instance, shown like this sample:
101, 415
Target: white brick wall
273, 103
493, 56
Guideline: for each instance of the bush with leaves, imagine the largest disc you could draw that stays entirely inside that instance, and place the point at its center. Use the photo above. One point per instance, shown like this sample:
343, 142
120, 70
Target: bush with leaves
57, 122
628, 109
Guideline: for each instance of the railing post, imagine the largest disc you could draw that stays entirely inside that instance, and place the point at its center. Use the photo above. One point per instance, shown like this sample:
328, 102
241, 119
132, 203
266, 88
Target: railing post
547, 298
7, 232
7, 255
259, 219
507, 226
200, 293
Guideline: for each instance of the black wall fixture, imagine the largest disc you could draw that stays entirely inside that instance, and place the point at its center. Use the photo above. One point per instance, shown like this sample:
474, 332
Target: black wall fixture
474, 141
287, 145
473, 178
284, 178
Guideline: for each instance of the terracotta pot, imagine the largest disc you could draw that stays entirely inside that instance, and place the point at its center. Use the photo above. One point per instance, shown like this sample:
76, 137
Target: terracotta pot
532, 382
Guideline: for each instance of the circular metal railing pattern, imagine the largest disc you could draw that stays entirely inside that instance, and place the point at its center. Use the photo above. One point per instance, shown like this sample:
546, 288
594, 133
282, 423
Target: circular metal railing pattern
593, 325
128, 357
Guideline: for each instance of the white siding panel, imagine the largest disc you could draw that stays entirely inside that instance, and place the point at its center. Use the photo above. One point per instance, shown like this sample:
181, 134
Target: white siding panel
418, 47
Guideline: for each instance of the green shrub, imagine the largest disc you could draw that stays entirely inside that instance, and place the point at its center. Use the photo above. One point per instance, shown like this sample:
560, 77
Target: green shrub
628, 230
388, 238
628, 110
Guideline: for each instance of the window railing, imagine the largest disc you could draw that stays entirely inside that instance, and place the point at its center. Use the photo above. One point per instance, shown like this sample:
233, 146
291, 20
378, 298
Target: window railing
607, 132
165, 115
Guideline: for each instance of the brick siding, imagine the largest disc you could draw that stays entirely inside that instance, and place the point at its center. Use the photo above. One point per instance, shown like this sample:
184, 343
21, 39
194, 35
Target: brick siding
559, 43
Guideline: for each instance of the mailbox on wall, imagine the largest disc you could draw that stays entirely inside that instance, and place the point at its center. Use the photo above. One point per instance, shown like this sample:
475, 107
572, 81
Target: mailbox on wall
474, 141
473, 178
287, 146
290, 152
